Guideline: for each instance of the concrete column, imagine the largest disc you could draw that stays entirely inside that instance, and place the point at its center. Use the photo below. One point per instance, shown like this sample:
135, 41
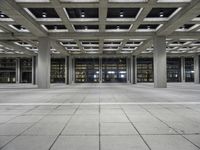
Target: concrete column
34, 70
128, 67
182, 69
160, 70
73, 70
66, 72
18, 74
196, 69
43, 71
100, 69
69, 70
133, 70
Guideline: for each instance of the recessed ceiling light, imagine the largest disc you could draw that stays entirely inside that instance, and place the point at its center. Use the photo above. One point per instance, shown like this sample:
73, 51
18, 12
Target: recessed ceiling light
44, 14
121, 14
82, 14
161, 13
2, 15
22, 28
183, 27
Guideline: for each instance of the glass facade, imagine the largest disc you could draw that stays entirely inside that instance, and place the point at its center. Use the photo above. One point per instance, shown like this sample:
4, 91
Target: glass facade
189, 70
173, 69
57, 70
114, 70
26, 70
144, 69
86, 70
7, 70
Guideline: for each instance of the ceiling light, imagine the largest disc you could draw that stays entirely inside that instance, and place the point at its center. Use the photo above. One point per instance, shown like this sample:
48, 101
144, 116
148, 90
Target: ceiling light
44, 14
121, 14
183, 27
161, 13
22, 28
2, 15
82, 14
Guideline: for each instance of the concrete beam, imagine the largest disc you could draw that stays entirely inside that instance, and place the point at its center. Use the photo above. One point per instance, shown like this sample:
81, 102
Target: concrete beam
13, 10
186, 14
18, 48
59, 48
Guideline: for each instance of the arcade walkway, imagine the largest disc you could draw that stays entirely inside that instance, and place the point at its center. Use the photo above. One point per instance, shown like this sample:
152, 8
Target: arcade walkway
100, 117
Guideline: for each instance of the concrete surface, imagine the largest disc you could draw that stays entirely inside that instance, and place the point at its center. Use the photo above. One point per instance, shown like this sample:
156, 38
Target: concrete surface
100, 117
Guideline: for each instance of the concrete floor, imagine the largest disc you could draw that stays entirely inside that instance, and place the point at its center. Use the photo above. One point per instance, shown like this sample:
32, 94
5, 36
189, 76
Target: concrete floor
100, 117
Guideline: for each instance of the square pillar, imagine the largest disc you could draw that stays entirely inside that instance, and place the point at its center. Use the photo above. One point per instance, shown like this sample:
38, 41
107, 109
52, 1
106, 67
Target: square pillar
73, 70
182, 69
66, 71
69, 70
100, 69
128, 69
34, 70
160, 67
133, 70
18, 74
43, 62
196, 69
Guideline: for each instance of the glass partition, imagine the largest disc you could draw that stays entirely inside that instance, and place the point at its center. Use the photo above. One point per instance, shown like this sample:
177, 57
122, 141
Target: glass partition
144, 69
114, 70
173, 70
86, 70
58, 70
26, 70
189, 70
7, 70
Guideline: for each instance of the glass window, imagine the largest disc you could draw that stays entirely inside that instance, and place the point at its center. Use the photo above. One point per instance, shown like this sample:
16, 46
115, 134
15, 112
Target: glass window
57, 70
173, 70
26, 70
144, 69
86, 70
114, 70
189, 70
7, 70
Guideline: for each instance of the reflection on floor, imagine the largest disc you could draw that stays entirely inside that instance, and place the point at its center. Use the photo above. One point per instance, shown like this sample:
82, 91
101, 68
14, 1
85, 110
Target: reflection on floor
100, 117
